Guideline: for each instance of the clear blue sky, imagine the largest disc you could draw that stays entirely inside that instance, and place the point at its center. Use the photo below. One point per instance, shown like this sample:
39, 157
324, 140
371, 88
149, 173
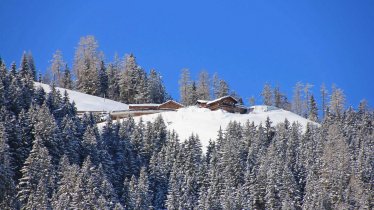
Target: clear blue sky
247, 42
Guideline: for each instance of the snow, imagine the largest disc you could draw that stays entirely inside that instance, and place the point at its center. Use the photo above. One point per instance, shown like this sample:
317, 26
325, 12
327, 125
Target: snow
85, 102
206, 123
202, 101
262, 108
218, 99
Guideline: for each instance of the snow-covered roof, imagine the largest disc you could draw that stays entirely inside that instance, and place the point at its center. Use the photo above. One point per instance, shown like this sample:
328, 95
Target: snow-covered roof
172, 102
85, 102
202, 101
219, 99
156, 105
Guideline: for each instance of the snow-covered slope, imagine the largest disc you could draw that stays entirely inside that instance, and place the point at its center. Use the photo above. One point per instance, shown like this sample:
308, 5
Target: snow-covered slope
206, 123
85, 102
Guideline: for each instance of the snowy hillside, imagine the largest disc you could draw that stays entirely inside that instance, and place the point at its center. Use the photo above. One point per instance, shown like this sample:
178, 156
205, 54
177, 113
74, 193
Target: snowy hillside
85, 102
206, 123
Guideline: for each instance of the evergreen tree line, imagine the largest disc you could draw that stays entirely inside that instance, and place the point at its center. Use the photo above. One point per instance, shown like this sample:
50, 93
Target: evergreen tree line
303, 101
121, 80
51, 159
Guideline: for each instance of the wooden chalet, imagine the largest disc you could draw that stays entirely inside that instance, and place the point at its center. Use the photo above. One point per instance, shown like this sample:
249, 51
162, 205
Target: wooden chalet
170, 105
227, 103
144, 109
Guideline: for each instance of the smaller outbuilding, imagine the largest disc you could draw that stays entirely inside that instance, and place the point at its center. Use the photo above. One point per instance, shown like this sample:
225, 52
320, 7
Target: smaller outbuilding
170, 105
144, 109
227, 103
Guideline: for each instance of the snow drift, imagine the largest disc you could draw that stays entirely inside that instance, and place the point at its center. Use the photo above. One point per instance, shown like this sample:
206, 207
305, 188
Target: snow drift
206, 123
85, 102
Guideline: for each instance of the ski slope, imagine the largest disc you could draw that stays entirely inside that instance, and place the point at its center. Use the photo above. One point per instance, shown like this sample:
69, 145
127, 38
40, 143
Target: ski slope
85, 102
206, 123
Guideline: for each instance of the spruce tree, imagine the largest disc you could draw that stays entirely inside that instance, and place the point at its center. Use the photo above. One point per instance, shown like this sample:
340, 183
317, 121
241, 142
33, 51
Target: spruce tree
7, 185
129, 78
113, 82
37, 167
47, 131
66, 79
103, 80
313, 113
156, 88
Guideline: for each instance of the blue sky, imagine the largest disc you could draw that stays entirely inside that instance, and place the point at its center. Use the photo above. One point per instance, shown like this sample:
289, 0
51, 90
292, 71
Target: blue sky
247, 42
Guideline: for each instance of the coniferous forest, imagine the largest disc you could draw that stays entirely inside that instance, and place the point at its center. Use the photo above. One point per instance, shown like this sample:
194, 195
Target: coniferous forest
52, 159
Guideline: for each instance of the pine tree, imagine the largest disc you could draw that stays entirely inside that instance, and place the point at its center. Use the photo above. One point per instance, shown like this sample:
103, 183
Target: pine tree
174, 189
158, 179
307, 95
86, 63
24, 82
337, 101
277, 97
129, 80
26, 135
113, 82
47, 131
7, 185
193, 97
203, 85
31, 63
185, 87
103, 80
39, 96
313, 112
139, 193
41, 197
71, 139
156, 88
67, 176
85, 192
56, 68
37, 166
87, 82
90, 145
223, 88
215, 86
335, 170
363, 106
192, 161
14, 141
267, 96
141, 87
25, 69
66, 79
324, 92
297, 101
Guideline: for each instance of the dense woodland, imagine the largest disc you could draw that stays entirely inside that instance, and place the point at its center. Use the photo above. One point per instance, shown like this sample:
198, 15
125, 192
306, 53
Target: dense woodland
51, 159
